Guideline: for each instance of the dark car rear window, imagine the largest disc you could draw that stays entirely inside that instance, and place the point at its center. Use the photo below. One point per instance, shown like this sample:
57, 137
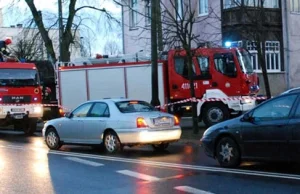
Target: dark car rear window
134, 106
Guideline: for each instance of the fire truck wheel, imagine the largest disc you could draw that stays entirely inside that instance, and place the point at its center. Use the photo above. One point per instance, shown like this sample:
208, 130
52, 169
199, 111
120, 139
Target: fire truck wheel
214, 113
112, 143
52, 139
29, 126
17, 126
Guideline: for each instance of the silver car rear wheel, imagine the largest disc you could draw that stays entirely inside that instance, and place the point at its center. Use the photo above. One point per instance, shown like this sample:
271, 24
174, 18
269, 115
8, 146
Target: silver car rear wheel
112, 143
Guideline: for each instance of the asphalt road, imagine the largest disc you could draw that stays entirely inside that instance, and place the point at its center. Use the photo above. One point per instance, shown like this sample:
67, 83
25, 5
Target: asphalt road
27, 166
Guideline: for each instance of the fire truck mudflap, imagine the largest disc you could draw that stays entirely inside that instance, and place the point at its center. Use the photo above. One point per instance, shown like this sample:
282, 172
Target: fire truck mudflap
21, 116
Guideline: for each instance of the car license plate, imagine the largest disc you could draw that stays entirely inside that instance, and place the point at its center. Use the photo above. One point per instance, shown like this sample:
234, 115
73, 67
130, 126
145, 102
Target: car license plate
18, 116
162, 121
17, 109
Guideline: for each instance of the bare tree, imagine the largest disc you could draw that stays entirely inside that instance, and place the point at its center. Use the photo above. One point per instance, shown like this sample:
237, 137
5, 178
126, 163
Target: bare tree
29, 45
112, 47
178, 22
254, 28
74, 17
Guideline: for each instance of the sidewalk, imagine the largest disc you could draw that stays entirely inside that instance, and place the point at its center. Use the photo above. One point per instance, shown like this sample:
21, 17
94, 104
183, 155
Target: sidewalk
188, 136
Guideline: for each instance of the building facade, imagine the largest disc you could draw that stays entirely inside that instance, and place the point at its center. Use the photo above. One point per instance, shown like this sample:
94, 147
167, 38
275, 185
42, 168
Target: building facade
235, 21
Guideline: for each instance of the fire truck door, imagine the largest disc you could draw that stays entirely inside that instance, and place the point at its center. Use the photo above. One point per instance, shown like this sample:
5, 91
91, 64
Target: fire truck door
180, 86
225, 74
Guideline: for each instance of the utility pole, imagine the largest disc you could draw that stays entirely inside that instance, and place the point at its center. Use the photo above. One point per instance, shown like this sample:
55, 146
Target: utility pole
154, 58
60, 29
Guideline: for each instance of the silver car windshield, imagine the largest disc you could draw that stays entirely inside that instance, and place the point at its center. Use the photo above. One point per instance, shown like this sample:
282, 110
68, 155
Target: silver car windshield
134, 106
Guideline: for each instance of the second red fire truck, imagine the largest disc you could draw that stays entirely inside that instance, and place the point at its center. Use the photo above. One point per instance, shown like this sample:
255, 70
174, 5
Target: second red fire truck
223, 78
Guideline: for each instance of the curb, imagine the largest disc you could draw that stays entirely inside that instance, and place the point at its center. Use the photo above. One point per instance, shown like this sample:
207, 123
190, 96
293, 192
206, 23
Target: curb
189, 141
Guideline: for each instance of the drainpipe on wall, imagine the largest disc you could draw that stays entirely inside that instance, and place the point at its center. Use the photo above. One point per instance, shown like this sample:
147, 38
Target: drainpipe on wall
287, 50
123, 35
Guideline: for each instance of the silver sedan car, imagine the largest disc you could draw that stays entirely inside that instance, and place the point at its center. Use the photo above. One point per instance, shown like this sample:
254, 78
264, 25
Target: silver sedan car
113, 123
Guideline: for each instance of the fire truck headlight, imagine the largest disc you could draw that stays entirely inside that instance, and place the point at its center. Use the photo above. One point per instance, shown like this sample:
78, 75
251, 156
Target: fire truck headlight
37, 109
246, 101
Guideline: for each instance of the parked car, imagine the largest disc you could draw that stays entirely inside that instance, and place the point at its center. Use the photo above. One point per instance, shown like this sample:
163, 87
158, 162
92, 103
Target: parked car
269, 132
297, 89
113, 123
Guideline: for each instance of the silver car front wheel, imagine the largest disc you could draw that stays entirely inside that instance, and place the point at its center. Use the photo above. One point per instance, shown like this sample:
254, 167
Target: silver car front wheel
112, 143
52, 139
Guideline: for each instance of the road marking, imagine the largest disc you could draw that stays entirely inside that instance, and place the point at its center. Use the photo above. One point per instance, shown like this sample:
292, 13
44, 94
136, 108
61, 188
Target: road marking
191, 190
162, 164
96, 164
139, 175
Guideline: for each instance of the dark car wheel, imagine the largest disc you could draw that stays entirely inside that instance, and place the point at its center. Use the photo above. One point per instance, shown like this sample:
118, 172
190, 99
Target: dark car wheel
160, 147
52, 139
112, 143
227, 153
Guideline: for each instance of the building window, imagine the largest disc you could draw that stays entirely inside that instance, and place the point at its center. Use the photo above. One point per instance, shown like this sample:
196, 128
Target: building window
266, 4
148, 12
203, 7
133, 13
231, 3
295, 5
271, 4
273, 62
178, 10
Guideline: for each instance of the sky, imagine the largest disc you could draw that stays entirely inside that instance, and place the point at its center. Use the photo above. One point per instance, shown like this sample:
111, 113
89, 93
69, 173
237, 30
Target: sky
20, 13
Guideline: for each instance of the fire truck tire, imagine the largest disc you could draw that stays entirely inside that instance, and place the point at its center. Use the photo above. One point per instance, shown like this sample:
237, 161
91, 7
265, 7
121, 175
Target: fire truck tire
214, 113
18, 126
29, 126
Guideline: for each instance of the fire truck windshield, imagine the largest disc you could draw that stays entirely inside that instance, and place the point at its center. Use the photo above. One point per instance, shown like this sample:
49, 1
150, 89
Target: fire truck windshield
19, 77
245, 61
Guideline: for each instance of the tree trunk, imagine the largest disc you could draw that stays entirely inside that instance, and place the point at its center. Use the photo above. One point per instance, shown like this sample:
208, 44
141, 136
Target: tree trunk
37, 16
192, 90
154, 58
261, 51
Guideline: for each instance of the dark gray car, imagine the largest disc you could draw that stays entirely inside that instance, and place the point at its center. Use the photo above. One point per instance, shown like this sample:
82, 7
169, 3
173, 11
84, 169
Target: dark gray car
271, 131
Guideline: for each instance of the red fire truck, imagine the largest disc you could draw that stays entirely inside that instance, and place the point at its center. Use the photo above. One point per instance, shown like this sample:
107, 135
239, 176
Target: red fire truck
20, 96
219, 73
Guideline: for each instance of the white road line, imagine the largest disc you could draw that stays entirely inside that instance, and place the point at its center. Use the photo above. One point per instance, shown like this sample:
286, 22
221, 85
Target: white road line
191, 190
165, 164
96, 164
138, 175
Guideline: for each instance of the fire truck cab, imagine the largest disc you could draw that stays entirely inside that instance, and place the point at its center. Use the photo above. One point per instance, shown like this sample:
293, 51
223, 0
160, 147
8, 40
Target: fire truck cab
218, 73
20, 96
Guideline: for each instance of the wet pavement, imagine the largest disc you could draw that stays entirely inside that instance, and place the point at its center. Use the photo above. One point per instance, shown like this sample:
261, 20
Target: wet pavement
27, 166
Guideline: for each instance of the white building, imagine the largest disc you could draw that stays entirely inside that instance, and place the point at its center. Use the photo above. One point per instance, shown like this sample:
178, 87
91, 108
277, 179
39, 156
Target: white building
18, 32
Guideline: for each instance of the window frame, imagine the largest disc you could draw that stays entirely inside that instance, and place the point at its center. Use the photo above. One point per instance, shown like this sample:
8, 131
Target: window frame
232, 4
292, 6
147, 12
291, 113
205, 9
185, 64
133, 14
179, 9
217, 69
72, 113
102, 116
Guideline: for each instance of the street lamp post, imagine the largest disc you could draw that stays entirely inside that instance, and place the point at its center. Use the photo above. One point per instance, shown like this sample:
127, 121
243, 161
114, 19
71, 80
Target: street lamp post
60, 30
